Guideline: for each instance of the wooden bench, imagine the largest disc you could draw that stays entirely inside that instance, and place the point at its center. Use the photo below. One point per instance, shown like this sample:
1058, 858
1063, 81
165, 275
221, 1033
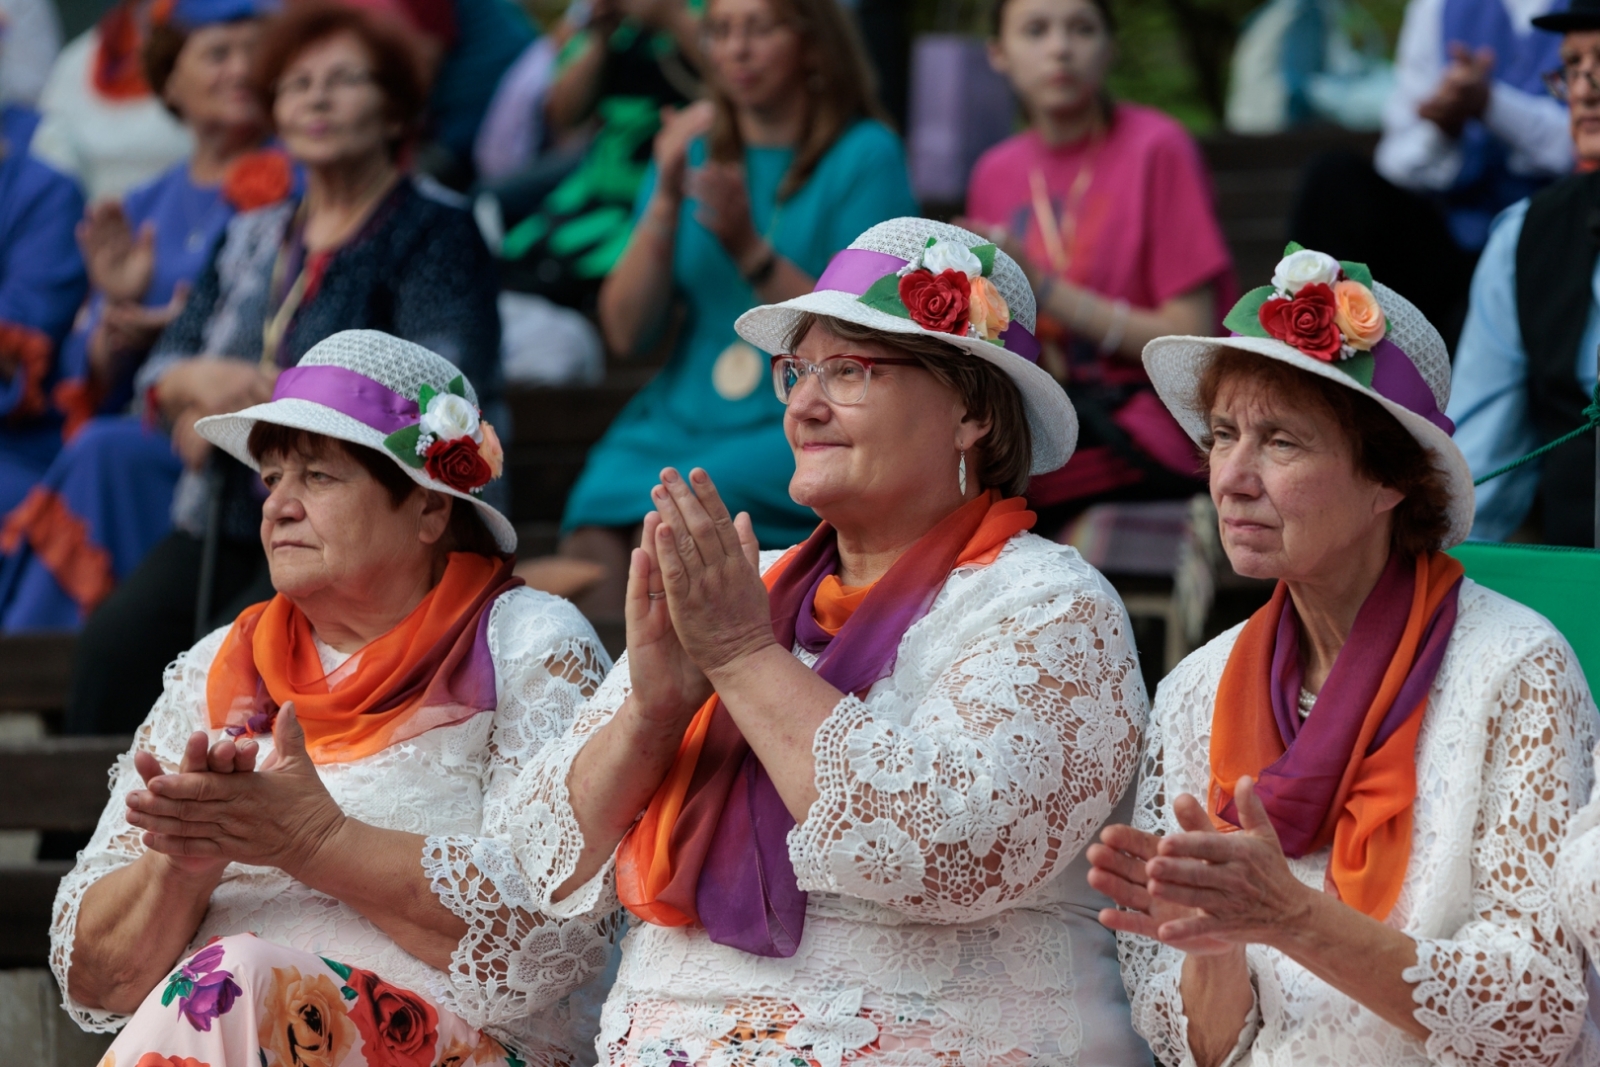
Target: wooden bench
53, 783
35, 672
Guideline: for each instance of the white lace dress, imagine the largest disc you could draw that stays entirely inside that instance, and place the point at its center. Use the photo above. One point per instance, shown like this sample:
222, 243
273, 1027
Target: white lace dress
1502, 764
535, 983
949, 919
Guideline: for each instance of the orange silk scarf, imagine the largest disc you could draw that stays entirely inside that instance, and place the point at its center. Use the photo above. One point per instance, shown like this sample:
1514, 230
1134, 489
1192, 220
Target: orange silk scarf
433, 669
668, 844
1369, 821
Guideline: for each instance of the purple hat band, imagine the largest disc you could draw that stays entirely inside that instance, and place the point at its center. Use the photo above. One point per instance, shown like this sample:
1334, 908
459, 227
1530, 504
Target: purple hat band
368, 402
855, 270
1396, 378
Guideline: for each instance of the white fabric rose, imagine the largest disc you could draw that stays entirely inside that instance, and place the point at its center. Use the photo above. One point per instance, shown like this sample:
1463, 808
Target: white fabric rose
1300, 269
947, 255
449, 417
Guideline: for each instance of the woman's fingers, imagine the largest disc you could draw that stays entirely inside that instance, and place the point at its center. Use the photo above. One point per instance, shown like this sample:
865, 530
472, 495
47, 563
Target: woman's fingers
198, 847
1189, 896
674, 576
195, 753
1192, 815
676, 526
722, 523
147, 765
1124, 893
697, 519
1120, 864
1211, 847
746, 530
1129, 922
248, 752
220, 759
1124, 838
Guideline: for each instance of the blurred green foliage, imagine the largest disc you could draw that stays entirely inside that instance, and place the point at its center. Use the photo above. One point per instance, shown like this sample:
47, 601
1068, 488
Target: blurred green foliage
1172, 54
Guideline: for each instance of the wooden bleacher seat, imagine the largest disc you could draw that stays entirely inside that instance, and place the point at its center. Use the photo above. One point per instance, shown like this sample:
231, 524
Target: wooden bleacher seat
35, 672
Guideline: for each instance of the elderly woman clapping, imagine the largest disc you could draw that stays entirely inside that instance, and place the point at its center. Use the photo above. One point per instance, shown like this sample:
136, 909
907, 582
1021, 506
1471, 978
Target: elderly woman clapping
1389, 751
336, 772
847, 788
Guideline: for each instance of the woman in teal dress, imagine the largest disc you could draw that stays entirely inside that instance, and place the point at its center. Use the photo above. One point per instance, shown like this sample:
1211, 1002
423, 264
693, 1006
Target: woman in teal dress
751, 193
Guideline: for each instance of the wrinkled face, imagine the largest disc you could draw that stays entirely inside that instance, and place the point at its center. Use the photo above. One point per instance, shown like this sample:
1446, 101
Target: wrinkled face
1580, 55
210, 82
1290, 501
757, 58
1055, 53
896, 446
329, 526
327, 107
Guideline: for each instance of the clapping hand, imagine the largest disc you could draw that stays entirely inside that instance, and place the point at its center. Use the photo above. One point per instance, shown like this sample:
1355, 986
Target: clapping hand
276, 815
225, 757
667, 685
120, 263
1463, 91
671, 148
723, 201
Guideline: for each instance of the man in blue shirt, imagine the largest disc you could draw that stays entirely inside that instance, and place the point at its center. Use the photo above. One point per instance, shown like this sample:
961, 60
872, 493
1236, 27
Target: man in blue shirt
1525, 366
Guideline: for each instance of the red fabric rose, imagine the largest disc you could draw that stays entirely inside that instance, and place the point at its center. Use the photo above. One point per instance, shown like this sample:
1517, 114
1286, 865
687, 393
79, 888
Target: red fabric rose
937, 301
1306, 322
398, 1028
257, 179
458, 464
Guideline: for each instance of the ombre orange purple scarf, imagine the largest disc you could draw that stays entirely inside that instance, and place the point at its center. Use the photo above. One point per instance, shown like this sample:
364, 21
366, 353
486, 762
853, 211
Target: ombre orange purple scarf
433, 669
1347, 773
712, 847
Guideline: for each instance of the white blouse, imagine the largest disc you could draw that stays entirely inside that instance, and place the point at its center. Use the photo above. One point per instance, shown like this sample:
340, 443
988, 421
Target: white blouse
1502, 764
515, 972
949, 920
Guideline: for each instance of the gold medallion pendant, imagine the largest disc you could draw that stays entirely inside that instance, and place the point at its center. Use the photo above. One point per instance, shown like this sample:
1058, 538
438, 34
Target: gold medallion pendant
737, 372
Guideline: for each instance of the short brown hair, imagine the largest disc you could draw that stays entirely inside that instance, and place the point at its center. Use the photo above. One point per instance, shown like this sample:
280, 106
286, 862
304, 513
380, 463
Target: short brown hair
397, 67
1005, 453
1381, 449
466, 532
163, 43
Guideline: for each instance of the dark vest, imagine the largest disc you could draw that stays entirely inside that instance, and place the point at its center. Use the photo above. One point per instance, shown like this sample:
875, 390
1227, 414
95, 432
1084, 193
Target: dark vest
1555, 267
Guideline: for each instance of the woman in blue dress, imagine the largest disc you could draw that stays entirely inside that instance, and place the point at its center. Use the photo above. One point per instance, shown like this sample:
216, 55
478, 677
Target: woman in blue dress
751, 193
104, 501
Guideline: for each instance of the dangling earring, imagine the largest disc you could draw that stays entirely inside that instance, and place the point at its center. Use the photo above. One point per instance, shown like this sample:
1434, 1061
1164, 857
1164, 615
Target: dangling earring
961, 472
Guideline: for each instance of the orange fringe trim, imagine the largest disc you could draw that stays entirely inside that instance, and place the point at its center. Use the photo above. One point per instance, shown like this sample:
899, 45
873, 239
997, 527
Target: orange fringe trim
61, 540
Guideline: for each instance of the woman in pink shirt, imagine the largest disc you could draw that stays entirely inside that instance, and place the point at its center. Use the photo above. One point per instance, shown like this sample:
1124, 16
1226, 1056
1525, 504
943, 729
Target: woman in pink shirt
1108, 207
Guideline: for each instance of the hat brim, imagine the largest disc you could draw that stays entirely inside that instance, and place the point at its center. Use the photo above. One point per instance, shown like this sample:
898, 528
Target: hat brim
1176, 365
231, 433
1052, 422
1568, 21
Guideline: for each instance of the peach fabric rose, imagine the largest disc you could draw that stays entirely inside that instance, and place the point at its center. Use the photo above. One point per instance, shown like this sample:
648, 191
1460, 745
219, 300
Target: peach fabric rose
491, 451
1358, 315
304, 1021
987, 310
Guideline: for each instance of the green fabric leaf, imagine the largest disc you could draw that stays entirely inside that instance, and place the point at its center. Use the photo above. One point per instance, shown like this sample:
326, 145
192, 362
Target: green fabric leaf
884, 296
347, 992
1291, 248
930, 243
425, 396
513, 1061
1245, 317
458, 387
1357, 272
985, 254
403, 443
342, 970
1358, 367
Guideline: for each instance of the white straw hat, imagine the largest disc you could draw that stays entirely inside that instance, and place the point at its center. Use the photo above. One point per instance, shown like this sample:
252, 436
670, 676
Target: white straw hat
1407, 371
861, 286
363, 386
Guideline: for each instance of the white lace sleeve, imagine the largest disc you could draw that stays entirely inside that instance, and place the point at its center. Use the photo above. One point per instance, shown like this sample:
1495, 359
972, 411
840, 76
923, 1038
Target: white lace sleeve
177, 714
514, 959
1578, 872
1508, 987
989, 785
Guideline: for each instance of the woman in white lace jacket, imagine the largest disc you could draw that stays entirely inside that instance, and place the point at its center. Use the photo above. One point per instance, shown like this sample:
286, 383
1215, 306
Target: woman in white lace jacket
948, 707
329, 785
1390, 751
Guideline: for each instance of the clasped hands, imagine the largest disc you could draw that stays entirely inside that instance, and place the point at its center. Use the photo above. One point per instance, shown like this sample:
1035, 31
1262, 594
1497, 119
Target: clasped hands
1201, 891
696, 604
1463, 91
220, 808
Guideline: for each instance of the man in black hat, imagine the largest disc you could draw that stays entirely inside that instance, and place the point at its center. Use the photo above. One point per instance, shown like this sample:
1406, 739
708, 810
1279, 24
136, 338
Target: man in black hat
1525, 367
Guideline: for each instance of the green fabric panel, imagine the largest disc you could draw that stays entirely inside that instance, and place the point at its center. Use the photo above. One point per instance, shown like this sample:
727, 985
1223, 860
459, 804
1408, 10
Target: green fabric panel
1562, 584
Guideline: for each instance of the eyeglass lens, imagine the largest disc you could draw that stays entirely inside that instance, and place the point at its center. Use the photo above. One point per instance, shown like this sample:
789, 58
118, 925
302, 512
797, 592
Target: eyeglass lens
843, 380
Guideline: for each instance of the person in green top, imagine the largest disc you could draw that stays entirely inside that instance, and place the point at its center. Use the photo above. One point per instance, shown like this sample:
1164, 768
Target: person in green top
751, 192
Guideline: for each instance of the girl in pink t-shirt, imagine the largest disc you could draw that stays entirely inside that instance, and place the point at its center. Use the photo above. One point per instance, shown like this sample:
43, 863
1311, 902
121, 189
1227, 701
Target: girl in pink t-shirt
1108, 208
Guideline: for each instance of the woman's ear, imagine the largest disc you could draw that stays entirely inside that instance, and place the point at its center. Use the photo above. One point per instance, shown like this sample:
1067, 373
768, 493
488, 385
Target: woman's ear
971, 431
435, 517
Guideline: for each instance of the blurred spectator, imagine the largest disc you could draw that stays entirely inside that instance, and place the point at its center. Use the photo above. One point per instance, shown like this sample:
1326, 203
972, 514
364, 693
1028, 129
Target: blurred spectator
751, 193
106, 497
41, 285
100, 123
1108, 207
1468, 131
490, 35
1525, 370
364, 248
569, 217
30, 39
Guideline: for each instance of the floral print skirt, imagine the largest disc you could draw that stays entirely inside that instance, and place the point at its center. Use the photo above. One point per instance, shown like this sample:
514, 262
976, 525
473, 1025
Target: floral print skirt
244, 1002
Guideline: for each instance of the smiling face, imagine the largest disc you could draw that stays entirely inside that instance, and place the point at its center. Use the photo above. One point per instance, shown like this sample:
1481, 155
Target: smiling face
328, 109
757, 57
331, 529
1290, 501
893, 454
1055, 53
210, 81
1580, 54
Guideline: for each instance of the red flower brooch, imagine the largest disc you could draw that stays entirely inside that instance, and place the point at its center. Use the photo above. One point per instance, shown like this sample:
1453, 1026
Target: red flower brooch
450, 441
